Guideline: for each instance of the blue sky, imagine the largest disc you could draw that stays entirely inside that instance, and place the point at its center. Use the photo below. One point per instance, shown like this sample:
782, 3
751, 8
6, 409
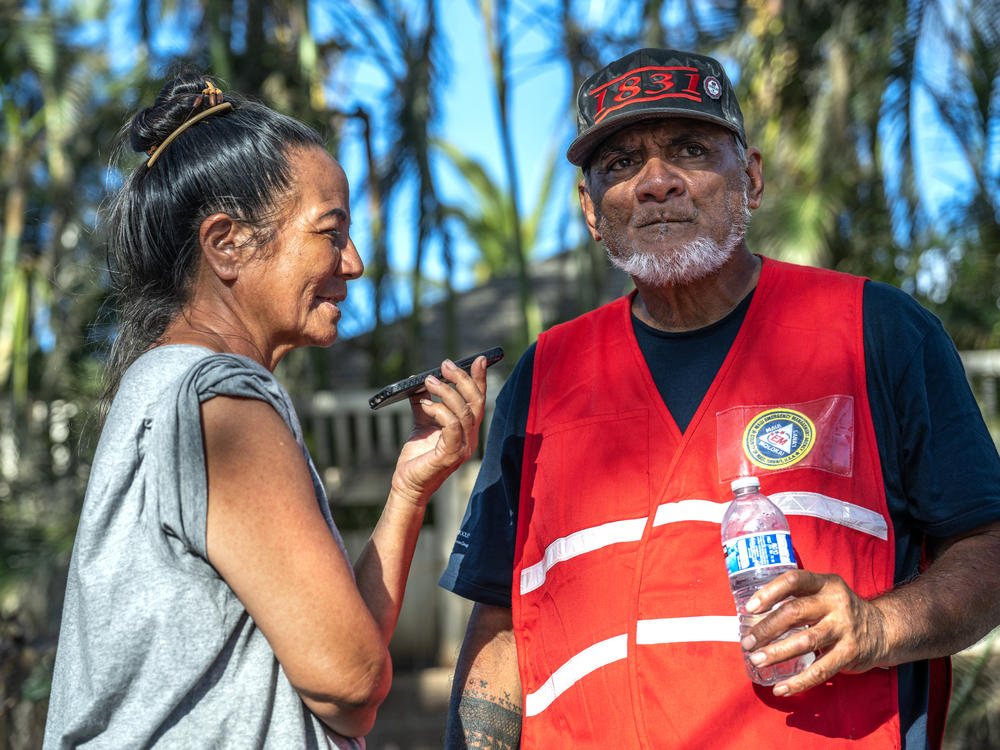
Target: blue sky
542, 130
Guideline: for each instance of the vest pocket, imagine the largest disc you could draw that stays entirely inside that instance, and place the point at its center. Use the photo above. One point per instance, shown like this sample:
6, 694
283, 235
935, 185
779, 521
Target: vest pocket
588, 501
761, 439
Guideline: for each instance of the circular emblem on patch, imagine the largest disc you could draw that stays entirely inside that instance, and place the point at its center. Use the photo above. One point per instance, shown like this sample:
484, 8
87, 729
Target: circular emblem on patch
712, 87
778, 438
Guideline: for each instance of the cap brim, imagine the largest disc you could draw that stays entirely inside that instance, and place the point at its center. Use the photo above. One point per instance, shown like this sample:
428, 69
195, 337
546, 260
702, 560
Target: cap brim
583, 145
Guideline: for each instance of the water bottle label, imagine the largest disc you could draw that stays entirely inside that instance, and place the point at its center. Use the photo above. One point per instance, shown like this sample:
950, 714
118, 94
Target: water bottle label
762, 550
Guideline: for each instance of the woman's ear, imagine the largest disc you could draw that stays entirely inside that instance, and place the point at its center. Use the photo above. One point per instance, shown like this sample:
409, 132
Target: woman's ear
222, 239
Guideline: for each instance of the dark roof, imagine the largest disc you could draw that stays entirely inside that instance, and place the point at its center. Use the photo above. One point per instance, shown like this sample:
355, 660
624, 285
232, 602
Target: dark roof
488, 315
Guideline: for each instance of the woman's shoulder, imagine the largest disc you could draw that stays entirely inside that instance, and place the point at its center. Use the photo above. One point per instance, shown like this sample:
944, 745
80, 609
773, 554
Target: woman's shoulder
149, 379
161, 365
173, 366
166, 377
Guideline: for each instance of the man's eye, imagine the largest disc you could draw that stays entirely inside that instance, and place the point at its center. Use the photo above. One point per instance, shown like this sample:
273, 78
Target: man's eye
621, 162
693, 149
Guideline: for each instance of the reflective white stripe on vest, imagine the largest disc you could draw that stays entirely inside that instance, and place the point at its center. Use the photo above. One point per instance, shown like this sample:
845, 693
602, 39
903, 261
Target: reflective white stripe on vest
811, 504
725, 628
648, 632
578, 543
830, 509
579, 666
690, 510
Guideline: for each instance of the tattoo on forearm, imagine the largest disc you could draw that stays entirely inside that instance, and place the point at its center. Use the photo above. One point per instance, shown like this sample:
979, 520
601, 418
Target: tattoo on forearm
484, 721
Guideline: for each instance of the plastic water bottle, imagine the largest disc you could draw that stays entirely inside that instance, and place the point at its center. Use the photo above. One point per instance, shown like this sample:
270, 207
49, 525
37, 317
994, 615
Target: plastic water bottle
758, 549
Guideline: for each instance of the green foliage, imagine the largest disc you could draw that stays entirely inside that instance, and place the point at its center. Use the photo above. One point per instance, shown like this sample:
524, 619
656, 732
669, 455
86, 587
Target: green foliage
828, 91
812, 83
487, 220
974, 713
965, 243
50, 190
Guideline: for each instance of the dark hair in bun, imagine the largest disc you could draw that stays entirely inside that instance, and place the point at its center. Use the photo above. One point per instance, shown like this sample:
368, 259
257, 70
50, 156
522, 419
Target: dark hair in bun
234, 161
176, 103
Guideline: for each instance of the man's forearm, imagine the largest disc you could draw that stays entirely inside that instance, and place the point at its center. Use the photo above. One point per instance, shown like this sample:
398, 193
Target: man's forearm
478, 718
954, 603
485, 710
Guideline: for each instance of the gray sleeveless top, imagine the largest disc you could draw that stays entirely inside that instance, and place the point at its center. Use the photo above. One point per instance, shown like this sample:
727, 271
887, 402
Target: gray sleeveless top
154, 647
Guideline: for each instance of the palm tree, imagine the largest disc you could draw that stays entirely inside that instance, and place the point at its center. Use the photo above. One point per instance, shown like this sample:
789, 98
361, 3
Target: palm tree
49, 193
402, 41
495, 16
487, 224
965, 235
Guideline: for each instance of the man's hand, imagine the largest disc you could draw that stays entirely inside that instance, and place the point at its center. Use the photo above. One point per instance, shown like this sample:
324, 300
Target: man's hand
950, 606
847, 632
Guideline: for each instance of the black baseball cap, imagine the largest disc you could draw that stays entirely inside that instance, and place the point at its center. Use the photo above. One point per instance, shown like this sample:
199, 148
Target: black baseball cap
648, 84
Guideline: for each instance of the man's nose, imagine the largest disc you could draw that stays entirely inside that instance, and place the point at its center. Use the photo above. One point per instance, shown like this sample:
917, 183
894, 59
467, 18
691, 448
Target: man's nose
658, 180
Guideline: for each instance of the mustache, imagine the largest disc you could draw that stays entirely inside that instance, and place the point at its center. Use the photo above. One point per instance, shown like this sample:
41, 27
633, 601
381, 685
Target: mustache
660, 217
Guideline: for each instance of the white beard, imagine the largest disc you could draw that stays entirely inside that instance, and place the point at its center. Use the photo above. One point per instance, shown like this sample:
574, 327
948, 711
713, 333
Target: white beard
688, 262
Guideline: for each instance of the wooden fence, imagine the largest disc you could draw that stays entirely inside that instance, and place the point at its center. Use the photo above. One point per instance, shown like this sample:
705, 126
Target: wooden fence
983, 370
355, 450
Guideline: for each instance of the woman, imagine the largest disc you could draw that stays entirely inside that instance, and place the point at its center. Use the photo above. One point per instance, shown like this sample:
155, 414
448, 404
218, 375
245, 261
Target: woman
210, 602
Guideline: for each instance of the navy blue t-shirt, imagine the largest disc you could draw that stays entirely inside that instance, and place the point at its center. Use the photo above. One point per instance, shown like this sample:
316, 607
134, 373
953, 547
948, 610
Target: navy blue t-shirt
939, 463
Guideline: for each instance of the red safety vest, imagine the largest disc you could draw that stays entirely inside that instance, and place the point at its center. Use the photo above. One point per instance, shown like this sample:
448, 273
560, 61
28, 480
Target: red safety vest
624, 621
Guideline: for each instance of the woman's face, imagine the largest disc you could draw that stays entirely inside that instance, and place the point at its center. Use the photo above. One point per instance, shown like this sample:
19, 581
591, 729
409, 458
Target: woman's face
292, 288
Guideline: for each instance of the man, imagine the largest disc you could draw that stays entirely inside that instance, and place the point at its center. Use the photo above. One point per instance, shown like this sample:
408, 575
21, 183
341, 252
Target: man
592, 541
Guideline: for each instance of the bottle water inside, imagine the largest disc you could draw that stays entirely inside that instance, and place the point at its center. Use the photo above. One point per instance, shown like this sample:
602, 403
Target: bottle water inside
758, 548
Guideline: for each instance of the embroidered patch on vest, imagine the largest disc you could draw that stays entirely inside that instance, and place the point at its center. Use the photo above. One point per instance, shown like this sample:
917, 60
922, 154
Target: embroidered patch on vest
778, 438
817, 434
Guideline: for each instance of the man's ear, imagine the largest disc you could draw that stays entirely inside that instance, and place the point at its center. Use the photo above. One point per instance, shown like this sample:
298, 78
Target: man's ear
755, 171
222, 239
589, 212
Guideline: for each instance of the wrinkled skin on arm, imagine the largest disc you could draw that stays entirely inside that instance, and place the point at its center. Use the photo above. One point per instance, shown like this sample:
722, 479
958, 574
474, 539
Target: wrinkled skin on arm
485, 710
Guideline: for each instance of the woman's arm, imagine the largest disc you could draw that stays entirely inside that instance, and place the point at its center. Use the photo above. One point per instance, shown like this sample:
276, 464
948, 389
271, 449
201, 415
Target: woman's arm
269, 541
445, 434
267, 538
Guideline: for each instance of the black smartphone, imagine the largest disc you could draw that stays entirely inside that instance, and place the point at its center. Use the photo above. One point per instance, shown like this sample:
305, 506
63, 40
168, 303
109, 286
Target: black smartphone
403, 388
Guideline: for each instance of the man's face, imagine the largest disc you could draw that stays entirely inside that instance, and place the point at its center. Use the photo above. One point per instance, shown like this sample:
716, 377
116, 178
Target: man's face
671, 198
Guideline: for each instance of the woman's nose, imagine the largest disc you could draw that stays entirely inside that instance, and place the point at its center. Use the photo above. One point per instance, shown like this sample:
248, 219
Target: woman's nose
351, 265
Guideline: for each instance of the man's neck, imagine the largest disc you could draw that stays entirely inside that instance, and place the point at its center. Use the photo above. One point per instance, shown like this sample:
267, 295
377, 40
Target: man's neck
694, 305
